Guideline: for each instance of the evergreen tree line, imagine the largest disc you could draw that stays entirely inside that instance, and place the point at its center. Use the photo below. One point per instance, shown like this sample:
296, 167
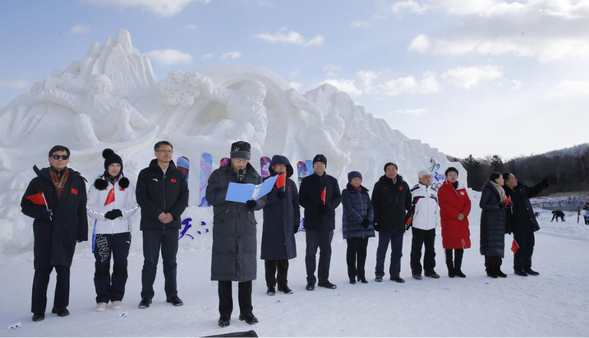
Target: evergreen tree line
568, 169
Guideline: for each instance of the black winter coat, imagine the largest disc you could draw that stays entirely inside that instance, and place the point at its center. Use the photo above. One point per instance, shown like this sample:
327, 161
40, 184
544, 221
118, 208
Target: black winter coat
357, 207
281, 218
55, 240
310, 199
234, 231
392, 204
520, 217
157, 193
492, 222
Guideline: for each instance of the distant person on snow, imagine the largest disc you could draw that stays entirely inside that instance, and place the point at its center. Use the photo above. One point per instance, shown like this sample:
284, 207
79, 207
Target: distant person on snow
56, 199
556, 214
586, 208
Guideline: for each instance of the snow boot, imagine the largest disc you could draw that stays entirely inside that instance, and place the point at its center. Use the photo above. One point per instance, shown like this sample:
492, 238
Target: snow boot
457, 267
100, 307
450, 265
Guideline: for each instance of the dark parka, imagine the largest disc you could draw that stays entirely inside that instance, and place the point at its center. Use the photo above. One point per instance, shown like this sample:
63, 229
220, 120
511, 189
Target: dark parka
310, 199
234, 230
520, 217
281, 218
157, 193
392, 204
357, 207
55, 240
492, 222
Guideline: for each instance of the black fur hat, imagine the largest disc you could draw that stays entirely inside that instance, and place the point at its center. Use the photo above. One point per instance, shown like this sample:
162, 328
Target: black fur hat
110, 157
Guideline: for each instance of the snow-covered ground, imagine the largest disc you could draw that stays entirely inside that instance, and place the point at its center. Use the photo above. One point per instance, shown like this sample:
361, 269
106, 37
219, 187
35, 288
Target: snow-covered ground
556, 303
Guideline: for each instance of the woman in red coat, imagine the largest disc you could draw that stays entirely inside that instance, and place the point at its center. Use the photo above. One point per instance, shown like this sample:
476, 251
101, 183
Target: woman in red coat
454, 209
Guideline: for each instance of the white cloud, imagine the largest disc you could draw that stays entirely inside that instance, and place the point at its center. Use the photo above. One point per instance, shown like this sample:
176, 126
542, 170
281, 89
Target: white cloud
13, 84
409, 85
190, 27
570, 89
296, 85
231, 55
206, 56
332, 70
367, 77
419, 44
344, 85
162, 8
408, 6
169, 57
484, 8
80, 29
469, 77
415, 112
291, 37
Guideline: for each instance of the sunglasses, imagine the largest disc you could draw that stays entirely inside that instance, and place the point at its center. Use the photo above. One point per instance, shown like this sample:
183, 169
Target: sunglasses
57, 157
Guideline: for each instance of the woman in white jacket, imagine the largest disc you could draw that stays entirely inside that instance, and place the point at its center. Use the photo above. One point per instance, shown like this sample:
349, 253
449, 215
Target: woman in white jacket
111, 203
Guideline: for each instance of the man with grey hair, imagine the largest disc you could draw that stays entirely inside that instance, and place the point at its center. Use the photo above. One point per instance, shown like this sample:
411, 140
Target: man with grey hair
424, 218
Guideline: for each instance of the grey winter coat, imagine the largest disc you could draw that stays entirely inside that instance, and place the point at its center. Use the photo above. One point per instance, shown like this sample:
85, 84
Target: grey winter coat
357, 207
234, 229
492, 222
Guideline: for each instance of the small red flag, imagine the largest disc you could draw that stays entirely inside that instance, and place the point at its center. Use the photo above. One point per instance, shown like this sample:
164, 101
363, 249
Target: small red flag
514, 246
37, 199
281, 180
323, 193
74, 191
111, 197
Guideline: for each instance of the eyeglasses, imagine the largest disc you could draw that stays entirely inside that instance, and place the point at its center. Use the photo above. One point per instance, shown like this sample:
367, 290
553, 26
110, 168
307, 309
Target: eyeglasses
240, 160
57, 157
165, 151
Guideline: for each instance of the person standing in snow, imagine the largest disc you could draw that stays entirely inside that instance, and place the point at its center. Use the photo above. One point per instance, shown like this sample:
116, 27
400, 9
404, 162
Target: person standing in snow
454, 210
234, 234
282, 218
424, 218
56, 199
357, 225
493, 203
522, 222
320, 196
162, 194
111, 203
391, 199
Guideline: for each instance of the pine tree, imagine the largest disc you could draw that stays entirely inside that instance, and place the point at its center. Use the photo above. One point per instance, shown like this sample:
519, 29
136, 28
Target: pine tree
497, 164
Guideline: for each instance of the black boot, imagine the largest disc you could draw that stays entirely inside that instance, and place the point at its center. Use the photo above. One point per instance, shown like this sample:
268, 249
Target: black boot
458, 267
451, 271
499, 272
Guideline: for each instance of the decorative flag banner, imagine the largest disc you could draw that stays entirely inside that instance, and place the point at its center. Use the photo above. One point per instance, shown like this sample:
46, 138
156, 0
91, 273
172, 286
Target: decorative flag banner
111, 197
323, 193
514, 246
281, 181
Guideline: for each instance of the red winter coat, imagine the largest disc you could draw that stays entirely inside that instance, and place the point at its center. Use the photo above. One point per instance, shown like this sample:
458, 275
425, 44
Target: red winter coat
455, 233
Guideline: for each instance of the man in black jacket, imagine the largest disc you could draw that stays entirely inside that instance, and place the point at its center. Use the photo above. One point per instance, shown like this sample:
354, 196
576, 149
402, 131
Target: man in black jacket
391, 199
522, 221
56, 199
319, 195
162, 194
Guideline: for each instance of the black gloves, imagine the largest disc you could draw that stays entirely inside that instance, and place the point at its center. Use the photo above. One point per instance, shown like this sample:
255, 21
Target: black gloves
281, 194
501, 205
46, 214
365, 223
323, 208
113, 214
251, 204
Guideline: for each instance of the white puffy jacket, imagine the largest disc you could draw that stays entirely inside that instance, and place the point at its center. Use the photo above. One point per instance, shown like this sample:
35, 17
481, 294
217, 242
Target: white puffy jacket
125, 200
425, 207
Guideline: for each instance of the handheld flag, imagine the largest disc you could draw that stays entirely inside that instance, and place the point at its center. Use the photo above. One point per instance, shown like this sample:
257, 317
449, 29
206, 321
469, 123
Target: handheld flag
281, 181
514, 246
110, 198
37, 199
323, 193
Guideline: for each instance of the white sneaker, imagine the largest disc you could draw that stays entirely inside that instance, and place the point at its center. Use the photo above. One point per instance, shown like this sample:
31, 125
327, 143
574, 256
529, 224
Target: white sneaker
100, 307
117, 304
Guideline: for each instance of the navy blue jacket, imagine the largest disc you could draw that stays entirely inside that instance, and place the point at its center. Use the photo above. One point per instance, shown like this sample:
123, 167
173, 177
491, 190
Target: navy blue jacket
492, 222
357, 207
310, 199
392, 204
281, 218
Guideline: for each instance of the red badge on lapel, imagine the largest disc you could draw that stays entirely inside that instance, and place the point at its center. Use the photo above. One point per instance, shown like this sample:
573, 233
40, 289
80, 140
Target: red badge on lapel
121, 189
401, 188
173, 180
74, 191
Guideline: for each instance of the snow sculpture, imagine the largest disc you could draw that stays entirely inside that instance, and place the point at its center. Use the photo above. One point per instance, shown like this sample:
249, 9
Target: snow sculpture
99, 115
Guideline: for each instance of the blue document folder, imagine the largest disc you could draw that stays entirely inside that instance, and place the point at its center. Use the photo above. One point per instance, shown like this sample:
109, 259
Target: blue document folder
243, 192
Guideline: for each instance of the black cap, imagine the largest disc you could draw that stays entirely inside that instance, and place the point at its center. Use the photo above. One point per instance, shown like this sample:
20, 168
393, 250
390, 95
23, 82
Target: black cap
450, 169
241, 149
320, 158
110, 157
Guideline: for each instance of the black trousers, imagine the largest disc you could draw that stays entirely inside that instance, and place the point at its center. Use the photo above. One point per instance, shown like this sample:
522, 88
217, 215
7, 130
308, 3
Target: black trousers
271, 267
111, 287
318, 240
493, 262
421, 238
165, 240
244, 294
40, 284
356, 257
523, 256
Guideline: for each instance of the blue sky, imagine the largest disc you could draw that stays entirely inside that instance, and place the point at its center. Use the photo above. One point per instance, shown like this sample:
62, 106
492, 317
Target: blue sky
477, 77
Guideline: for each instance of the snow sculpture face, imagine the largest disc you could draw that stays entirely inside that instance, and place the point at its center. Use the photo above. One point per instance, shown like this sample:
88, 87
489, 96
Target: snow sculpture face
256, 91
97, 85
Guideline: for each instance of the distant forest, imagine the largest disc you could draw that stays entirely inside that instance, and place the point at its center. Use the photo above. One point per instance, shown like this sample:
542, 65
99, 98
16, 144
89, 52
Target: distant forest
570, 168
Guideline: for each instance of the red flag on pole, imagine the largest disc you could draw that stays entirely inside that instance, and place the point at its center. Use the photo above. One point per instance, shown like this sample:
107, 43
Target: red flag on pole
323, 193
281, 180
37, 199
514, 246
110, 198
